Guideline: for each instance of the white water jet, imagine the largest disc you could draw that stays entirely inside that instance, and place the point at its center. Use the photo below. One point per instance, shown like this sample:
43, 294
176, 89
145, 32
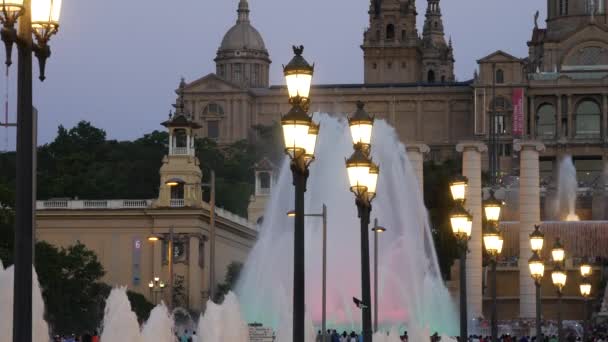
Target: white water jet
567, 187
412, 294
41, 329
223, 322
119, 321
159, 327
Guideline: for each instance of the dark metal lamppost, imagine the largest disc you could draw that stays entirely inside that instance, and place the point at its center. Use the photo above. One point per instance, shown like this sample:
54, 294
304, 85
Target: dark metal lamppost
462, 224
559, 276
37, 19
585, 288
300, 134
363, 177
493, 241
156, 286
537, 271
377, 230
323, 216
170, 239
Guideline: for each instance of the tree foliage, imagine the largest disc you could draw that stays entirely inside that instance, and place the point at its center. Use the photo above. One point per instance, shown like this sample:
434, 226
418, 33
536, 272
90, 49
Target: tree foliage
232, 276
439, 203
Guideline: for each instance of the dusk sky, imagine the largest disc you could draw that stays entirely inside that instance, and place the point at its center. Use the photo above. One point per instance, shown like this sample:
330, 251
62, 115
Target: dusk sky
116, 63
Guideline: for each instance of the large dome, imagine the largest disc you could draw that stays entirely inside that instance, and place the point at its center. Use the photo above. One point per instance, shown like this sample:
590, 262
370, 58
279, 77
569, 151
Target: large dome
243, 36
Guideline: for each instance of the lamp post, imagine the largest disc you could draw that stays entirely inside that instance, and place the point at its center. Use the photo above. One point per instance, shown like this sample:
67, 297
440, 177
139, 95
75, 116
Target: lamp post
211, 185
377, 230
493, 242
323, 216
537, 271
585, 288
40, 19
559, 276
300, 134
363, 177
462, 223
156, 286
170, 242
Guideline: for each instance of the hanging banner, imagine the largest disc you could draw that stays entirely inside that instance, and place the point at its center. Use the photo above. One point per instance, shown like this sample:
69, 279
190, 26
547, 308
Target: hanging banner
518, 112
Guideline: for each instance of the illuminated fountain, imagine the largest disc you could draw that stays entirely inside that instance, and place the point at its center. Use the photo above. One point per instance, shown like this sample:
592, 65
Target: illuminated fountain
412, 294
567, 187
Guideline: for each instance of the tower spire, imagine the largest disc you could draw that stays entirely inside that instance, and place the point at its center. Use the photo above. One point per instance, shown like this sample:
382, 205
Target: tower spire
433, 24
243, 12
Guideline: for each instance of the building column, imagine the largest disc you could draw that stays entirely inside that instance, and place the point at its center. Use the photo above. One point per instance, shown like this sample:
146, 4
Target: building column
558, 118
419, 120
529, 211
194, 275
471, 168
605, 117
570, 118
415, 153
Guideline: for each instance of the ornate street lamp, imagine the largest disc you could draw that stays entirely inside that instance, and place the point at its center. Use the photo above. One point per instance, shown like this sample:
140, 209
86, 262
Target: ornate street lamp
300, 134
156, 286
493, 242
585, 288
462, 224
537, 271
298, 75
363, 177
361, 125
537, 240
559, 276
37, 19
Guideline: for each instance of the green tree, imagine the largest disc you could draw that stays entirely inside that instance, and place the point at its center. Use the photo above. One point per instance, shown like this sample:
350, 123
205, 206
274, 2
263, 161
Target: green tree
232, 276
439, 203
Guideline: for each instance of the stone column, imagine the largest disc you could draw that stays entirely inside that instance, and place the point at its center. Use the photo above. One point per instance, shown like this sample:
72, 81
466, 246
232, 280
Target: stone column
471, 168
605, 117
194, 275
529, 215
415, 153
570, 118
558, 118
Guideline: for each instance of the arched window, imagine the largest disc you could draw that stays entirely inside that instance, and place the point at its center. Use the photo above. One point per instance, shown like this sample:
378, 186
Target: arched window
390, 32
436, 25
442, 78
180, 138
500, 76
588, 119
546, 121
403, 35
502, 119
431, 76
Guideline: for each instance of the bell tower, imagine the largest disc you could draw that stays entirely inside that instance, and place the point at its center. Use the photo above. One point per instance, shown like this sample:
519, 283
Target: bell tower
437, 55
391, 50
180, 173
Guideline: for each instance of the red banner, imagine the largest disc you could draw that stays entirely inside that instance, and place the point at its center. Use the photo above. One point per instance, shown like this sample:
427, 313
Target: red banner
518, 112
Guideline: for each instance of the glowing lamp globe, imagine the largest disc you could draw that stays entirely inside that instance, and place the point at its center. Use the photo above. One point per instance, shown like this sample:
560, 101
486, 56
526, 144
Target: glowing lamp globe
12, 7
585, 288
372, 181
298, 75
537, 267
558, 252
295, 125
358, 166
537, 239
462, 223
458, 188
45, 15
493, 242
361, 126
311, 141
492, 208
558, 276
586, 269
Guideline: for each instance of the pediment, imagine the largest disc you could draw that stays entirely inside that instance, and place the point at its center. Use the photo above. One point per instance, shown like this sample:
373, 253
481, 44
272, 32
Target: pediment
499, 57
211, 83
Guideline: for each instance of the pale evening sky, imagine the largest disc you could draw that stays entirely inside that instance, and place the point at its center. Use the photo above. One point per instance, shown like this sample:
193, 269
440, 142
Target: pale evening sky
116, 63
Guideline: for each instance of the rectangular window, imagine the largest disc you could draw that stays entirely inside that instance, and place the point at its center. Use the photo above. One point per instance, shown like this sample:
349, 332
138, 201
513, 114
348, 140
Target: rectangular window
221, 70
237, 72
256, 74
213, 129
